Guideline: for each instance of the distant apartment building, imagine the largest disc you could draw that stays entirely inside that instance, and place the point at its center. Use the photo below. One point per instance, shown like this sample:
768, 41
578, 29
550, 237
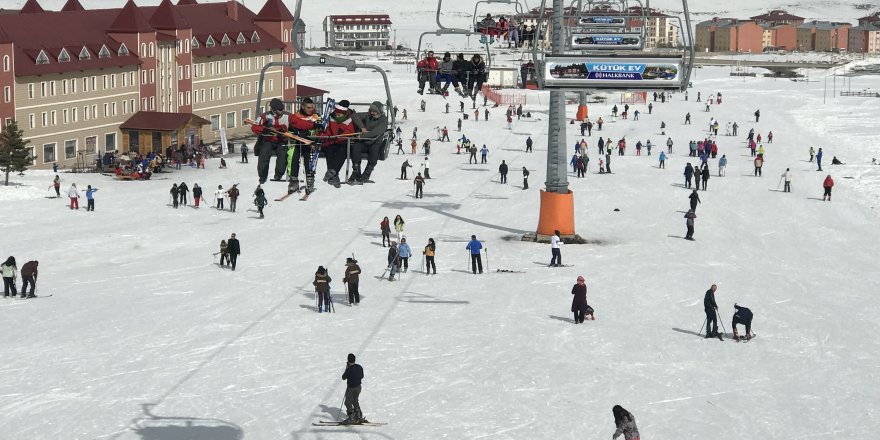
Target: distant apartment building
369, 31
864, 38
662, 30
777, 17
729, 35
779, 36
138, 79
822, 36
870, 19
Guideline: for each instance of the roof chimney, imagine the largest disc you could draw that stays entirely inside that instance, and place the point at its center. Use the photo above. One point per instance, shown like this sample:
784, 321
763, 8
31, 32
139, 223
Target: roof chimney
232, 9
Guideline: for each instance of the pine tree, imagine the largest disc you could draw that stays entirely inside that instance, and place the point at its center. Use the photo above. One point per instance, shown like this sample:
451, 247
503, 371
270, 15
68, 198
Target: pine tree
14, 154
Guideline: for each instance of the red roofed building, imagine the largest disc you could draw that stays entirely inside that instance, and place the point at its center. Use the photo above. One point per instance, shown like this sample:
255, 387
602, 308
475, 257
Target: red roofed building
776, 17
357, 31
72, 78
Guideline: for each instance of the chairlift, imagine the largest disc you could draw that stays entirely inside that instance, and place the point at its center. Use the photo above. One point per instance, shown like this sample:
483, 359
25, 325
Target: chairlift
303, 59
519, 7
443, 30
600, 53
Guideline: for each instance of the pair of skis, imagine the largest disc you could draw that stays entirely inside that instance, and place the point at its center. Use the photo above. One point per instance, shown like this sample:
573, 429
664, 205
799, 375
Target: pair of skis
329, 106
326, 423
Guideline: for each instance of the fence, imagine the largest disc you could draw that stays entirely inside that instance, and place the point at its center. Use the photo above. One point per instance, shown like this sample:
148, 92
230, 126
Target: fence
503, 98
865, 94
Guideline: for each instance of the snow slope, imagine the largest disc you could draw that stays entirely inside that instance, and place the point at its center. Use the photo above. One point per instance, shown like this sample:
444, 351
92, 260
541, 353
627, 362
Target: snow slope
146, 338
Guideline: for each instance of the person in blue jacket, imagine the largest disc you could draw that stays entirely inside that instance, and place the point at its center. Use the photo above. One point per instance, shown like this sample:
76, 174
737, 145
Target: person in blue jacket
573, 163
404, 252
90, 198
662, 160
475, 247
722, 165
819, 159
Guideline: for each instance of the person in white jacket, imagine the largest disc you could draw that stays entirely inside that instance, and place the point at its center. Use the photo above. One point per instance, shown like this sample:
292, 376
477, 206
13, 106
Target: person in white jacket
786, 176
73, 193
219, 195
425, 169
555, 245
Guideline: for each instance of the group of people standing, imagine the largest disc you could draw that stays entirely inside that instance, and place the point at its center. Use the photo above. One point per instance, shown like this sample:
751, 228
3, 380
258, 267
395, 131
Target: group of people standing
9, 270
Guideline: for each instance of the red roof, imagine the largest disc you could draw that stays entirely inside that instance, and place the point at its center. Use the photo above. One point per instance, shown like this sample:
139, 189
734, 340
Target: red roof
361, 19
302, 90
72, 5
187, 2
130, 20
273, 10
167, 17
777, 15
160, 121
31, 7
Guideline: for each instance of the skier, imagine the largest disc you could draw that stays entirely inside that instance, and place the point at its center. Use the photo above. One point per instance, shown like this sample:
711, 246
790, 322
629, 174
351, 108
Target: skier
599, 122
743, 316
218, 195
197, 194
503, 170
334, 148
399, 224
812, 154
183, 190
475, 247
260, 200
705, 176
556, 249
525, 178
73, 194
688, 174
425, 169
711, 309
669, 145
352, 278
372, 124
625, 422
770, 137
353, 376
234, 250
404, 252
786, 176
56, 183
722, 165
579, 304
8, 269
759, 163
385, 227
429, 252
690, 216
224, 252
29, 276
233, 196
483, 153
393, 260
819, 159
827, 185
244, 153
687, 119
757, 115
835, 161
322, 289
403, 168
486, 114
529, 144
269, 142
735, 128
304, 123
427, 147
90, 198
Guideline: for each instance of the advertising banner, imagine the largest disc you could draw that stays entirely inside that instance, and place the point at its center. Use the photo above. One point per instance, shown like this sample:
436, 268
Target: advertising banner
606, 41
613, 73
602, 21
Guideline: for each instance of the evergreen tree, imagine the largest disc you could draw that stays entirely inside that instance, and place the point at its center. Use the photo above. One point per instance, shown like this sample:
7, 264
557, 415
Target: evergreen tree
14, 154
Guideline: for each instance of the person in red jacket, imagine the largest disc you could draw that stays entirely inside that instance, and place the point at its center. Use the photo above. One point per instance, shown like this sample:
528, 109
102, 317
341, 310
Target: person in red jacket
304, 123
270, 143
335, 147
427, 70
827, 184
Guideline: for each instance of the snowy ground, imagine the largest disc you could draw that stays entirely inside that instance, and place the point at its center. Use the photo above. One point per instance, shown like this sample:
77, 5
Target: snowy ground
146, 338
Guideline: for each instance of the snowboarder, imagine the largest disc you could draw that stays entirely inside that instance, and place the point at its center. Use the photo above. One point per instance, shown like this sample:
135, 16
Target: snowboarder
690, 216
322, 289
385, 227
260, 200
404, 252
625, 422
711, 309
429, 252
475, 247
503, 170
218, 195
743, 316
234, 250
8, 269
233, 196
90, 198
352, 278
579, 304
372, 124
819, 159
197, 194
525, 178
73, 194
353, 376
827, 185
786, 176
29, 276
393, 260
695, 200
556, 249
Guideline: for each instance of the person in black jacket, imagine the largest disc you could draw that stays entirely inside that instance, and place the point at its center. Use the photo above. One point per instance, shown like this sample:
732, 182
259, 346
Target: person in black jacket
503, 170
625, 424
233, 249
353, 375
711, 309
688, 174
742, 316
175, 191
695, 199
184, 191
197, 194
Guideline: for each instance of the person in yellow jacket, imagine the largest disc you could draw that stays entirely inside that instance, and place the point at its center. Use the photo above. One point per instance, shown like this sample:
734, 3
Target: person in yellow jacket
761, 150
429, 251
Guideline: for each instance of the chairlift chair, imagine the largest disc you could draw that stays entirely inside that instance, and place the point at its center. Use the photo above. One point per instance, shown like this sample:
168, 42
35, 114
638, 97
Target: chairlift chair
303, 59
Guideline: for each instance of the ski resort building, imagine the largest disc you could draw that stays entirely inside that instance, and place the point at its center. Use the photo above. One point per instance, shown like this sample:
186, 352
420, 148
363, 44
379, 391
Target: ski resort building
822, 36
72, 78
372, 31
865, 38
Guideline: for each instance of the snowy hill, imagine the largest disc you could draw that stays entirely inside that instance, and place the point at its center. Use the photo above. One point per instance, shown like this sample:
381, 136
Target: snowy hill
145, 337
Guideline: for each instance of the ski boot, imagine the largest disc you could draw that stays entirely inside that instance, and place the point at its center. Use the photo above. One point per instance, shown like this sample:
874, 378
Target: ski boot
483, 39
310, 183
334, 180
421, 91
293, 186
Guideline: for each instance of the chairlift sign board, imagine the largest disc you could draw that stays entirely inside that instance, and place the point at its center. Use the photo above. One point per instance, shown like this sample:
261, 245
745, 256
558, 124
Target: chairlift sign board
606, 41
602, 21
612, 73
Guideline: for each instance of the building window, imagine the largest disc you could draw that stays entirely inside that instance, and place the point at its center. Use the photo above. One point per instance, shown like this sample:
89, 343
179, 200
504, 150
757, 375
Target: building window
113, 108
210, 42
113, 80
227, 92
152, 76
42, 58
215, 122
188, 98
86, 115
65, 86
152, 50
84, 54
42, 89
123, 51
85, 84
44, 118
194, 43
6, 63
63, 57
225, 41
106, 110
32, 120
94, 83
143, 76
54, 117
271, 85
255, 38
230, 120
74, 115
70, 149
104, 53
48, 153
245, 114
64, 117
110, 142
152, 103
212, 94
186, 71
7, 94
180, 99
91, 145
240, 39
104, 82
95, 111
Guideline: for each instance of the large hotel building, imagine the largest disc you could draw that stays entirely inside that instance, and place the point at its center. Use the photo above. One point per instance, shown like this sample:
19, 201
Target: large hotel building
81, 82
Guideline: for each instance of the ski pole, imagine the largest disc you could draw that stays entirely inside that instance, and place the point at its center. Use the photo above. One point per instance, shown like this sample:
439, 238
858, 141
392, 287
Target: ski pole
700, 333
720, 320
317, 305
486, 250
340, 406
780, 183
346, 293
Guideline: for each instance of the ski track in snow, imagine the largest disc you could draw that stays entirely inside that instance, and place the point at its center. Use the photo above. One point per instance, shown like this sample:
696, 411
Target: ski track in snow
146, 338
